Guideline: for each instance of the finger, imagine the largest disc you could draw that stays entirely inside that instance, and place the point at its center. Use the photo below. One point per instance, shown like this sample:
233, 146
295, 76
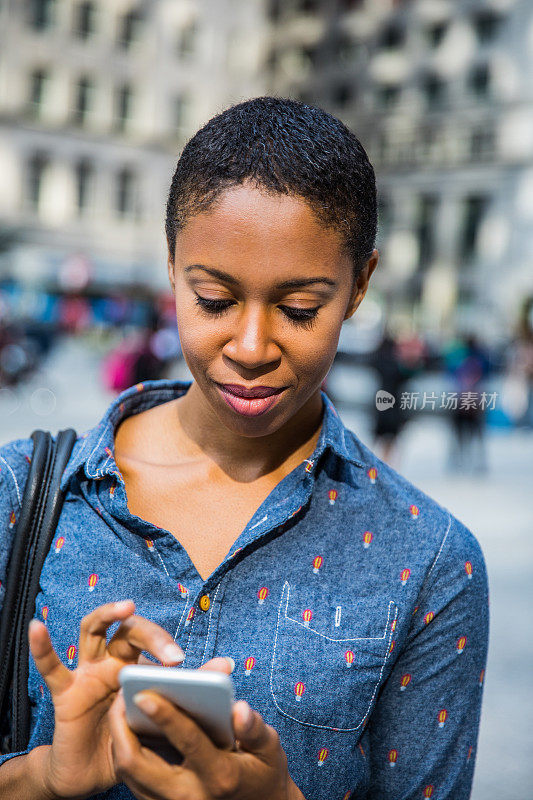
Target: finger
220, 664
183, 732
94, 626
136, 634
252, 731
55, 674
136, 765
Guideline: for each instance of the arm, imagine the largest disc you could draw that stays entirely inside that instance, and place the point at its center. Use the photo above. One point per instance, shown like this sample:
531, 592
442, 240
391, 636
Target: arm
24, 776
432, 723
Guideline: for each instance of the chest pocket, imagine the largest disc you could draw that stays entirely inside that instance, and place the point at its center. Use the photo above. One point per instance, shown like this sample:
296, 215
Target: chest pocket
323, 681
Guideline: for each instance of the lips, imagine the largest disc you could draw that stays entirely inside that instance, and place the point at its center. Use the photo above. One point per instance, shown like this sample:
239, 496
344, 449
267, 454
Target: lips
250, 401
250, 393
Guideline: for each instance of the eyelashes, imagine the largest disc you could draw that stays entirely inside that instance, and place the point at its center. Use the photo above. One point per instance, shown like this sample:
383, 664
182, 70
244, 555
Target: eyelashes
305, 317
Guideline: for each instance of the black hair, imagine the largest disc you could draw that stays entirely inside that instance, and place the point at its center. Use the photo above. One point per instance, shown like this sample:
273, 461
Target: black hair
283, 146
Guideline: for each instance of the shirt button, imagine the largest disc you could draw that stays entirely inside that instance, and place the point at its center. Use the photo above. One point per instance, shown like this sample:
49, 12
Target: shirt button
204, 602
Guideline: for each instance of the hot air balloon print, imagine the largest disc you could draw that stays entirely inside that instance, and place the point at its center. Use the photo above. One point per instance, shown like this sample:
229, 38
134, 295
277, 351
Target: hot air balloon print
481, 676
139, 386
393, 624
429, 616
367, 538
262, 595
44, 613
317, 563
108, 452
468, 569
414, 511
405, 681
299, 689
393, 757
249, 665
307, 617
150, 545
404, 577
372, 474
428, 791
349, 658
190, 615
41, 689
461, 641
71, 653
346, 796
112, 491
93, 580
443, 715
182, 590
469, 753
12, 519
332, 494
391, 648
322, 755
59, 543
309, 465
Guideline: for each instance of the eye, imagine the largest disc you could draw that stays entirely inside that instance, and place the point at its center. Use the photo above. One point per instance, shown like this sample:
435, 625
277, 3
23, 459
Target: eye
301, 316
214, 307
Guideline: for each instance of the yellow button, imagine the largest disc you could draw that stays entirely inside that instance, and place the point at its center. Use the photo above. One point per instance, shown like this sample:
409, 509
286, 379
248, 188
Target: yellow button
204, 602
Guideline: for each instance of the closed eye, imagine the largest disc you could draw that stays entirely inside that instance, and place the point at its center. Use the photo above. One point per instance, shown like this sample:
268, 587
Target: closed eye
300, 316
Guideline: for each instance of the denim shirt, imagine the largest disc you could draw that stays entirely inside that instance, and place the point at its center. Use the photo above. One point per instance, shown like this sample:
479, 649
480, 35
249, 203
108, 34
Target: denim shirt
354, 605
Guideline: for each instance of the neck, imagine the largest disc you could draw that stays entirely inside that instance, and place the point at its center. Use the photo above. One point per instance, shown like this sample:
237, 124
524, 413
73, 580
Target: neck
248, 458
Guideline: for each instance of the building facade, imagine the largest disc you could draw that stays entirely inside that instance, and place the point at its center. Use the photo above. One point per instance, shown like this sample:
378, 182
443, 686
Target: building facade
96, 101
440, 94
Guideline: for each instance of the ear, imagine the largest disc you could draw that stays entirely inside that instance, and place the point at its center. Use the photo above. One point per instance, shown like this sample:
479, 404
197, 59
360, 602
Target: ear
361, 284
170, 268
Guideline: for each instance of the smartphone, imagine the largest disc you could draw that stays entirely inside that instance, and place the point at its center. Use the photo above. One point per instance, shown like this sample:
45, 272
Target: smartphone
205, 695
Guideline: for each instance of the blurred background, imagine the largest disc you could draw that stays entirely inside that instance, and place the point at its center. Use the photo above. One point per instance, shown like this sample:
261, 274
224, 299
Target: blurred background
96, 102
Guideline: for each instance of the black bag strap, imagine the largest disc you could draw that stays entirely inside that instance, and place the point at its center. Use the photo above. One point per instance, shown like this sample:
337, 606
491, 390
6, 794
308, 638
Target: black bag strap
41, 506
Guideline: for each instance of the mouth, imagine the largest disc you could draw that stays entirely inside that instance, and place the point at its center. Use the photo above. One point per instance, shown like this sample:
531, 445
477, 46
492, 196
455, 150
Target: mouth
250, 401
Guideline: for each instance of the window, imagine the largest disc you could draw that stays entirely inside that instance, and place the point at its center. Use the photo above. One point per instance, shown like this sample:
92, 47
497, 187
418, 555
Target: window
129, 28
37, 166
84, 91
41, 14
434, 88
482, 142
388, 95
125, 197
474, 210
392, 36
342, 94
39, 79
479, 80
426, 229
123, 100
84, 21
436, 33
487, 25
187, 40
84, 176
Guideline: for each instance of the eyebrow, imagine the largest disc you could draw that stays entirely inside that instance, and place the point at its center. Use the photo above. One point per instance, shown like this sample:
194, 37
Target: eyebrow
293, 283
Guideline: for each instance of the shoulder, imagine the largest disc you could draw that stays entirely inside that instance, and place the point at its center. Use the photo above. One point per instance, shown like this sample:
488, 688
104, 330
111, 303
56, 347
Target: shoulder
410, 519
15, 458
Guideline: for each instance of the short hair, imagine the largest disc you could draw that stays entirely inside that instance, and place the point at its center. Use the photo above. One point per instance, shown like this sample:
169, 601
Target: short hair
286, 147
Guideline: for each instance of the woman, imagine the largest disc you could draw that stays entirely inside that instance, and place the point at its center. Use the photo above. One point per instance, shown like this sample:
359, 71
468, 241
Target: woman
245, 522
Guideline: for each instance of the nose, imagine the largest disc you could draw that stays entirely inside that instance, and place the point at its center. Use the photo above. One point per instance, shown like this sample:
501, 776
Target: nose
252, 345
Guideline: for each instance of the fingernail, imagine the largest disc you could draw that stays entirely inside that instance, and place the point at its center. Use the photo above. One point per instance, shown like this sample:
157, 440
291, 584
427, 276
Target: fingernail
121, 604
173, 652
231, 662
146, 704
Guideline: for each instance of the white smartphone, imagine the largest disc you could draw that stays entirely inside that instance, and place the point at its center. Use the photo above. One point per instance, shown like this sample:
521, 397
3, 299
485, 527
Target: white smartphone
206, 695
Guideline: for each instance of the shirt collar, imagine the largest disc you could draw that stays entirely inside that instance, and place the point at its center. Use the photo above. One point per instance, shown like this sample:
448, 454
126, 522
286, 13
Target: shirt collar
94, 451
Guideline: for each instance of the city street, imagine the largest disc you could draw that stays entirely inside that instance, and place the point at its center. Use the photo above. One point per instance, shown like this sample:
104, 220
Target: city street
496, 506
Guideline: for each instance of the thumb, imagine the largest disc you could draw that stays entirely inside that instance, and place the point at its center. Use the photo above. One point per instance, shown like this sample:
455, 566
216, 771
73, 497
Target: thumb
251, 730
56, 676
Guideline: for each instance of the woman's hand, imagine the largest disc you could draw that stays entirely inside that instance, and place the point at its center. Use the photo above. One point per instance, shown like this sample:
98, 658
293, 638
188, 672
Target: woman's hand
257, 769
79, 762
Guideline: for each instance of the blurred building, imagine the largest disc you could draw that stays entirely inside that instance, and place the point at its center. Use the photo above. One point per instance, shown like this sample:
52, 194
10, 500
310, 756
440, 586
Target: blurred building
440, 94
96, 100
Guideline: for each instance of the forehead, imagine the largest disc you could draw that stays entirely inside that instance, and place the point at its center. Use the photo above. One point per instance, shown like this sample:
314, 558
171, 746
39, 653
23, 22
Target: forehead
274, 232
